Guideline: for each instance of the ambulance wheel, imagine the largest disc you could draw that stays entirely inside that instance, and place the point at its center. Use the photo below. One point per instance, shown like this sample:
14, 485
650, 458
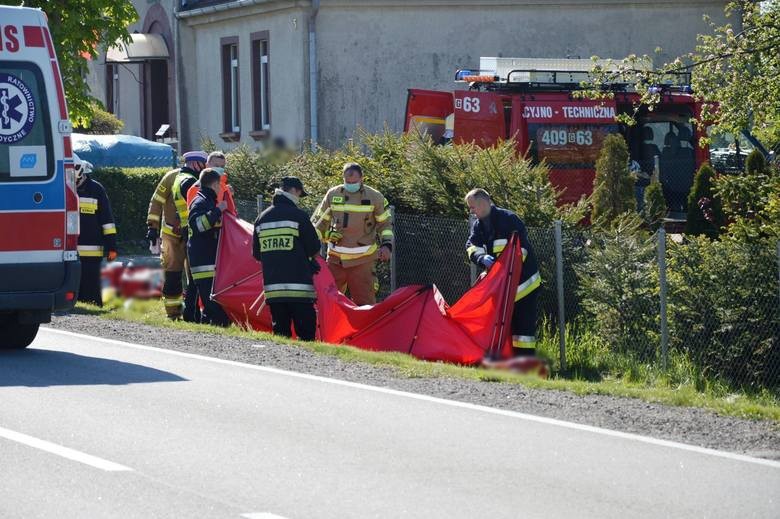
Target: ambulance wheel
16, 336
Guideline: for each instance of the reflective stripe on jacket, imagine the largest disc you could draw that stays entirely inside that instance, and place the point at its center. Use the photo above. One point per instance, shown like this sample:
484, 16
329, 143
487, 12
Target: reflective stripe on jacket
285, 242
483, 241
204, 225
96, 221
162, 214
363, 218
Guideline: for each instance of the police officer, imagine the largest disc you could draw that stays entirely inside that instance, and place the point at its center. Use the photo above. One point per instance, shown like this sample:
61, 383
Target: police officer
490, 233
205, 221
287, 245
97, 235
350, 219
167, 219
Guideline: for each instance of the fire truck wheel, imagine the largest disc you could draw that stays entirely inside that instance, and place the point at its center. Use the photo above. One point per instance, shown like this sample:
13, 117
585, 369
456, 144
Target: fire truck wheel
17, 336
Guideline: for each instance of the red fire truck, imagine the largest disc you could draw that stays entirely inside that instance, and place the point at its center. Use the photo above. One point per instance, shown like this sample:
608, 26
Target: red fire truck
532, 101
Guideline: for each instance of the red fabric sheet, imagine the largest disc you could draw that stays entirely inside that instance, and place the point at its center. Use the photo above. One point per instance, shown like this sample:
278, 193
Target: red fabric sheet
413, 319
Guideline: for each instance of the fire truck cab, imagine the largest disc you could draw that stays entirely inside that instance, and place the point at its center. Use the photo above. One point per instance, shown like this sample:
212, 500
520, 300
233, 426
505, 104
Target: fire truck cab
532, 101
39, 212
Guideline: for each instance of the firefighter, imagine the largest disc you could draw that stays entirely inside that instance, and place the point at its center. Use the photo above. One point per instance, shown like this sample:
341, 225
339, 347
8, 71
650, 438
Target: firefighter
167, 221
204, 226
287, 245
97, 231
350, 219
216, 161
490, 233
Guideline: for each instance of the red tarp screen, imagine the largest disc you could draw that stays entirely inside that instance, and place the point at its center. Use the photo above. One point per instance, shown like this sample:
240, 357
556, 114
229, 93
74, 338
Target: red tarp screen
414, 319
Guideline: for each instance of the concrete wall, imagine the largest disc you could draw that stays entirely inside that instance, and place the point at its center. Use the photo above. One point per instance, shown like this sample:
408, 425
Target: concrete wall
372, 51
200, 37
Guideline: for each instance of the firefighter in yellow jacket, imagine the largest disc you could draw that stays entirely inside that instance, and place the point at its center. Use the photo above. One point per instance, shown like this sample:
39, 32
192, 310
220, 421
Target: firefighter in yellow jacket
167, 221
354, 220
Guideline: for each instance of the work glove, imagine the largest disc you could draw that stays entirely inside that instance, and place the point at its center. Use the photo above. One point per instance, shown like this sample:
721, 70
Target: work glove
152, 235
315, 266
112, 254
333, 236
488, 260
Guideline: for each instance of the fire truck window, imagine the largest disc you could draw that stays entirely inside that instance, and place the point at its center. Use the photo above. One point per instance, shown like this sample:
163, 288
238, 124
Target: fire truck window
425, 125
25, 130
569, 146
667, 150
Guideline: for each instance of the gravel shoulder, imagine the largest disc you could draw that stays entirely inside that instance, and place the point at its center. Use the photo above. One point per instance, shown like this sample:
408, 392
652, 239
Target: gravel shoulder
682, 424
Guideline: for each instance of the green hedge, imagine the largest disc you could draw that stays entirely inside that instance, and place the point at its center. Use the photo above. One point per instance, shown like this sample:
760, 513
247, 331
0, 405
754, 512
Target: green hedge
129, 191
416, 176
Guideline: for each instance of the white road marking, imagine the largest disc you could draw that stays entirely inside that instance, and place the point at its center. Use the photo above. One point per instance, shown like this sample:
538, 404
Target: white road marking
442, 401
65, 452
262, 515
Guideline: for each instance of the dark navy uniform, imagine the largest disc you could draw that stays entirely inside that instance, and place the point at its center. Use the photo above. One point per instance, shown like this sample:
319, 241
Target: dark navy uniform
97, 237
205, 221
488, 238
286, 243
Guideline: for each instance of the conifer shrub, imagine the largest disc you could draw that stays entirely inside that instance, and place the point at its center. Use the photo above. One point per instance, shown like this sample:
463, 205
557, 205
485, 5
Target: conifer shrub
613, 187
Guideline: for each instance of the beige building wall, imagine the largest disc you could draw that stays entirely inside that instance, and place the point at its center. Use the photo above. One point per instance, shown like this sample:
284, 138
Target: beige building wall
372, 51
200, 37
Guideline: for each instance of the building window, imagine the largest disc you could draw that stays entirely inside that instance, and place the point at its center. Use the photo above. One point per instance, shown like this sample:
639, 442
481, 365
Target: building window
231, 101
261, 87
112, 88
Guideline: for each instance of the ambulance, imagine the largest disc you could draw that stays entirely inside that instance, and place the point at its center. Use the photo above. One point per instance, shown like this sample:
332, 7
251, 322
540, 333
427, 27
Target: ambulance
39, 212
533, 101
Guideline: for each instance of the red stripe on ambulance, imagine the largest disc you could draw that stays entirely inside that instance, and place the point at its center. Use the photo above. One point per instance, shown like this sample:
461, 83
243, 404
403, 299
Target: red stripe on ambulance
17, 235
33, 36
55, 68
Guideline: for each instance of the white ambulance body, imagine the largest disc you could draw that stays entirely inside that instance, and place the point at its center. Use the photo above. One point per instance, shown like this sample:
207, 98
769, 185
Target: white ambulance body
39, 267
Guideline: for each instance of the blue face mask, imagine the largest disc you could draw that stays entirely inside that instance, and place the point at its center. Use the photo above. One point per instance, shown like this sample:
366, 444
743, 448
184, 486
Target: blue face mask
221, 171
352, 188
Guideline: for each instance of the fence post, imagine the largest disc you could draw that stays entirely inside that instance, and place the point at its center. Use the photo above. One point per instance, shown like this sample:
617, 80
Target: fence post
393, 253
259, 204
778, 270
472, 266
662, 282
559, 285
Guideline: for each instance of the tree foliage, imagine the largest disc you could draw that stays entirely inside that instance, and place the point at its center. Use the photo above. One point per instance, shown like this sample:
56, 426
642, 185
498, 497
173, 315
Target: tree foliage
81, 28
705, 214
613, 187
734, 69
102, 123
755, 164
654, 210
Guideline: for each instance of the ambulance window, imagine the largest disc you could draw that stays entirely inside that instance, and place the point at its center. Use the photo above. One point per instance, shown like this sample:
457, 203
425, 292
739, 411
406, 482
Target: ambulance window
25, 130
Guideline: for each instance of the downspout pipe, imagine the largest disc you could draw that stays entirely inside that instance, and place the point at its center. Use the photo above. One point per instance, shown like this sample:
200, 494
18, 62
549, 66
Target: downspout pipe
313, 77
179, 82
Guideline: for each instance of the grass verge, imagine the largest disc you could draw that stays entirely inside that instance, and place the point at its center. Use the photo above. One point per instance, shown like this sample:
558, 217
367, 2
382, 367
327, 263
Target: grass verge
591, 368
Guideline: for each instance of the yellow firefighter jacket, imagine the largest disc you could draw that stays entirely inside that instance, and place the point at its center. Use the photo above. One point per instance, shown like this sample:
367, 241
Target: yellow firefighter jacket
162, 210
361, 217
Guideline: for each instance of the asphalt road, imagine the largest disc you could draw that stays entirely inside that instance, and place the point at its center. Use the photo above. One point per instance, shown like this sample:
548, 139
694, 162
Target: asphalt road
95, 428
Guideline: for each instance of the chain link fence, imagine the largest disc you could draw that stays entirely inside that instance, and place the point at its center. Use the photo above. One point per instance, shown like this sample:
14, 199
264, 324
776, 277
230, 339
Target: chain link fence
709, 307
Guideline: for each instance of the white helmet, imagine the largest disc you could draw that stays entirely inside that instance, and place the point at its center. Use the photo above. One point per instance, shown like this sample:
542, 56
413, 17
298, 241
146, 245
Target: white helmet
82, 167
78, 166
